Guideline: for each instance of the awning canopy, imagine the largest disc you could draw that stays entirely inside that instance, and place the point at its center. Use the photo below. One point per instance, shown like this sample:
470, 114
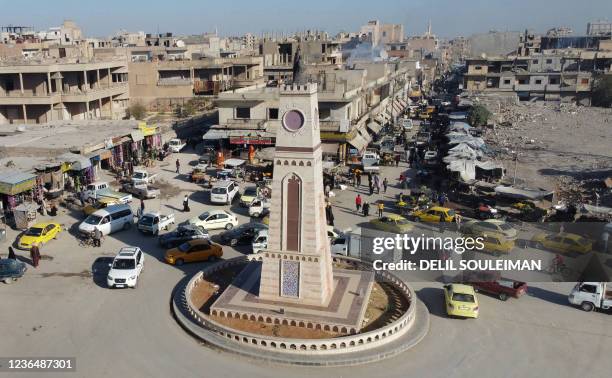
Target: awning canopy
213, 134
137, 135
525, 193
14, 182
358, 142
78, 162
329, 148
375, 127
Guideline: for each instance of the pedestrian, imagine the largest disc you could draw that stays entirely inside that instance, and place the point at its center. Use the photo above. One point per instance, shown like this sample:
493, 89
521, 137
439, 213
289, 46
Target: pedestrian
376, 180
385, 184
441, 223
11, 254
397, 160
186, 204
377, 187
358, 178
366, 209
53, 210
441, 199
329, 214
142, 207
371, 187
97, 237
358, 202
327, 190
381, 208
458, 219
35, 255
178, 165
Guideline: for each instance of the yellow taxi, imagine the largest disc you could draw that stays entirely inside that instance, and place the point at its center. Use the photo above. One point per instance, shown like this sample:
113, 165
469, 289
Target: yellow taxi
496, 244
433, 214
392, 223
40, 233
100, 203
460, 300
562, 242
192, 251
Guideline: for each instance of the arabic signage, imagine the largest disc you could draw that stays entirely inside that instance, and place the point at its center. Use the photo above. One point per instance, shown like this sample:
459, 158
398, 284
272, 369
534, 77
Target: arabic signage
250, 140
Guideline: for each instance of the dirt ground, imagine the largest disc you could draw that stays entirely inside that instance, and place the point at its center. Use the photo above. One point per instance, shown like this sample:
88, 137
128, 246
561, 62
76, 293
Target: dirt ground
554, 142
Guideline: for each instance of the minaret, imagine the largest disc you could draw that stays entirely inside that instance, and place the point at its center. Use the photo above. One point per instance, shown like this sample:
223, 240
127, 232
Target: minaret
297, 266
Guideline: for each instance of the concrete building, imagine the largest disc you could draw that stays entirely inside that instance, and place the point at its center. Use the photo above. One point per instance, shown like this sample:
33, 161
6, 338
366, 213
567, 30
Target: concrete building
352, 105
380, 34
565, 76
599, 28
67, 89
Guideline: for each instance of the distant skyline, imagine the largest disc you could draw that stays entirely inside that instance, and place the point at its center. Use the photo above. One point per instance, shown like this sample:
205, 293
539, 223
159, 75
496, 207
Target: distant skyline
449, 18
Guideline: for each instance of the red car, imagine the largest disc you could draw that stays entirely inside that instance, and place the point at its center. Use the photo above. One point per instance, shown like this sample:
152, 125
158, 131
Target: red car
493, 283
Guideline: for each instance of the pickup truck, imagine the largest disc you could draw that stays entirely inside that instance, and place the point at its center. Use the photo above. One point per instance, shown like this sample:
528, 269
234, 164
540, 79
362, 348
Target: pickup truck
141, 176
592, 295
152, 223
142, 191
259, 207
176, 145
493, 283
99, 189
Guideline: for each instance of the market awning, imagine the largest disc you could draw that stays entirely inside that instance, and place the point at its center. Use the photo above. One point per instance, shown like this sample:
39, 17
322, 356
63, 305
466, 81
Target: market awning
358, 142
78, 162
375, 127
14, 182
137, 135
213, 134
366, 136
329, 148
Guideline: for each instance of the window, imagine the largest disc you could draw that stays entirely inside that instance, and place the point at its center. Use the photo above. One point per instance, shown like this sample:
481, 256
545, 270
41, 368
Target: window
553, 80
506, 81
584, 81
272, 113
538, 81
589, 288
535, 61
243, 112
324, 113
548, 61
478, 68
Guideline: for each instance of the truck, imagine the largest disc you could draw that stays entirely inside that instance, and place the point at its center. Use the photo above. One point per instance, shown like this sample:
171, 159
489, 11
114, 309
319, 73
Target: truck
369, 159
591, 295
99, 189
493, 283
153, 222
347, 243
143, 191
142, 176
260, 241
176, 145
259, 207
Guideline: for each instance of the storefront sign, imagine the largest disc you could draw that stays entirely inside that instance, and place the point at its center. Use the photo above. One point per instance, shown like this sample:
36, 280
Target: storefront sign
16, 188
250, 140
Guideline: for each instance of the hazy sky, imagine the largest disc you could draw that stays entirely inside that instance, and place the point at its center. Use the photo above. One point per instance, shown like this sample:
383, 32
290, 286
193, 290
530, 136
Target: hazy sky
232, 17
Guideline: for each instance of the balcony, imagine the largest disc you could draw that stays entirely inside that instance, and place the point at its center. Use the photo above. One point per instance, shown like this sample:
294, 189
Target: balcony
329, 125
245, 124
174, 82
28, 97
95, 93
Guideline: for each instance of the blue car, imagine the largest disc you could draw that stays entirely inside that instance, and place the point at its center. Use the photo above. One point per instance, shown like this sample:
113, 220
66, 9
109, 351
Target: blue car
11, 270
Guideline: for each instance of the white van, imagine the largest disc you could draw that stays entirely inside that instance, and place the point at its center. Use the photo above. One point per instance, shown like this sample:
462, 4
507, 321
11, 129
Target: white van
108, 220
260, 241
370, 159
223, 192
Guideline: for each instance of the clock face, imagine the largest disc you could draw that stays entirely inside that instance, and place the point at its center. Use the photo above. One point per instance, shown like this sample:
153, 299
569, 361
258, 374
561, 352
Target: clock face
293, 120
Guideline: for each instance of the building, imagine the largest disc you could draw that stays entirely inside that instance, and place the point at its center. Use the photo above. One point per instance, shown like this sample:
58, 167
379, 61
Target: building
565, 76
38, 91
380, 34
599, 28
353, 104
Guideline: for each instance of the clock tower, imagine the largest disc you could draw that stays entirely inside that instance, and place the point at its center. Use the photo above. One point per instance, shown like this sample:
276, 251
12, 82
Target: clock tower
297, 265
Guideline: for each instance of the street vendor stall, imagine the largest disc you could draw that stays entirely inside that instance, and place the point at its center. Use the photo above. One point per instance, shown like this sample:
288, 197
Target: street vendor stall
25, 215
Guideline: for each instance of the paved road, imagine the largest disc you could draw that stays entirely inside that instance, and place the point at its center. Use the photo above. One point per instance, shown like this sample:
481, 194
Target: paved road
60, 310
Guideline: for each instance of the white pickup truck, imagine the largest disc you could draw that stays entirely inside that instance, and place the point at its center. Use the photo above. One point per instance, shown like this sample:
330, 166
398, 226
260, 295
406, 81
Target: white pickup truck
141, 176
592, 295
152, 223
100, 189
259, 207
176, 145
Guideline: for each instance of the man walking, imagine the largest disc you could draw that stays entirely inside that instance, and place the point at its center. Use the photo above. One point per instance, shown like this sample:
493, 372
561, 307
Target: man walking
397, 160
381, 208
142, 208
366, 209
385, 184
358, 202
186, 204
178, 165
97, 237
329, 214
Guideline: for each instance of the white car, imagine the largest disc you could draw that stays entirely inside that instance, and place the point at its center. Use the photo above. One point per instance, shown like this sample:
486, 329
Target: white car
126, 268
215, 219
176, 145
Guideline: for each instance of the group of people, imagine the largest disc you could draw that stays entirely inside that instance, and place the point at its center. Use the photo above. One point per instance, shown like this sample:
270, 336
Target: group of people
34, 255
364, 206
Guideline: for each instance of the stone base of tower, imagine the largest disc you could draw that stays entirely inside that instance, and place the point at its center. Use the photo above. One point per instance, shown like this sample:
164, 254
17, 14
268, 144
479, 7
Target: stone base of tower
344, 311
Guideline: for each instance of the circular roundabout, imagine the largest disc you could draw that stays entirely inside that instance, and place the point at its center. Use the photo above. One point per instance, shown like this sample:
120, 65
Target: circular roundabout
395, 320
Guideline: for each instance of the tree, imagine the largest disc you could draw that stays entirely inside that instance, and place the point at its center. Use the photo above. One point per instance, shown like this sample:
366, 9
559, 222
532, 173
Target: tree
602, 91
478, 116
137, 110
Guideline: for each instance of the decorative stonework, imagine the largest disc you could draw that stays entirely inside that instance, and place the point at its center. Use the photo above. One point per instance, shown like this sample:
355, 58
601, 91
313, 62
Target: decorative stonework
290, 277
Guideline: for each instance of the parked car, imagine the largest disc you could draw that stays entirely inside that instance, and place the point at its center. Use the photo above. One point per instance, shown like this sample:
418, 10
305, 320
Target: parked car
494, 283
40, 233
562, 242
496, 244
11, 270
460, 300
490, 227
592, 295
126, 268
259, 207
192, 251
249, 194
176, 145
100, 203
433, 214
242, 234
102, 189
154, 222
183, 233
142, 191
108, 220
370, 158
215, 219
224, 192
392, 223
